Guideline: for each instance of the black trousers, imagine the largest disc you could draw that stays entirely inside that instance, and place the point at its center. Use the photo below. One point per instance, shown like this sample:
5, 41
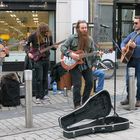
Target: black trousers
77, 83
41, 78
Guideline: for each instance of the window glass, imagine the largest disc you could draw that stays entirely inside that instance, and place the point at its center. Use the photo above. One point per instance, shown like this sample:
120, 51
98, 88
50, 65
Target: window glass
105, 18
127, 22
17, 26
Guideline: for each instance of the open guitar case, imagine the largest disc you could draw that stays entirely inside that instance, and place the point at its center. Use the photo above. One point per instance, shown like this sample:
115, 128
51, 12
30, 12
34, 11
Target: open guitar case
93, 117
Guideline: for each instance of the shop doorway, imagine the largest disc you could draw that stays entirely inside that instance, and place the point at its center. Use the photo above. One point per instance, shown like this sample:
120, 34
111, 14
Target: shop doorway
123, 20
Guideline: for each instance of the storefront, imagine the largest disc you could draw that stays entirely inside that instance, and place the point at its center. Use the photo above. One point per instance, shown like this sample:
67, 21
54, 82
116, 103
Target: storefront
18, 18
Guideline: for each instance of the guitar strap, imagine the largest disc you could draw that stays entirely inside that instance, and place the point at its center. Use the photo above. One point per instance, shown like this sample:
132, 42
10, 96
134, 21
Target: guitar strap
134, 37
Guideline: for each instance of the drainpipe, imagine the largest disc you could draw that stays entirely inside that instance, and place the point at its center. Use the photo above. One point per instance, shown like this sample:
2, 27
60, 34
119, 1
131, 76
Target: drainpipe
90, 11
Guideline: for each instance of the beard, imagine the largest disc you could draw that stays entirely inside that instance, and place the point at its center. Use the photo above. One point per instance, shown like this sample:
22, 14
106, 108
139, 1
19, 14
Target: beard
83, 40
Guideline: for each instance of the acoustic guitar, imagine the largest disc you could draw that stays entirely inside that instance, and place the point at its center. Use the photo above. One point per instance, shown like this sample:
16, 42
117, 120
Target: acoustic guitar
4, 50
68, 63
125, 56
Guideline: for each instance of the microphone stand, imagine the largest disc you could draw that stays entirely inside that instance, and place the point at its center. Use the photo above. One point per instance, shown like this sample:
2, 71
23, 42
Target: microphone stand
115, 75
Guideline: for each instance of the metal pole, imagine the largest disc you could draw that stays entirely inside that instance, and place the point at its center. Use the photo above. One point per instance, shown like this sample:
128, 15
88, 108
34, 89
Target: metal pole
90, 10
132, 88
28, 98
65, 92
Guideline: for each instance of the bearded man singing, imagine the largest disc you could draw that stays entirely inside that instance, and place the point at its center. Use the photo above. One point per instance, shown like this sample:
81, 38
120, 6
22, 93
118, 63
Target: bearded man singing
83, 42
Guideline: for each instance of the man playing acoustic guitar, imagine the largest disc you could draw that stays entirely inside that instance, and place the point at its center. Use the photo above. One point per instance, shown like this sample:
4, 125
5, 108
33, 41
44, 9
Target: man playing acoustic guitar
73, 48
131, 44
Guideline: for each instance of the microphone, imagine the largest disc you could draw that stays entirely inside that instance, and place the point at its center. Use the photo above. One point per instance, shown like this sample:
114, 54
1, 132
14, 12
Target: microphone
104, 26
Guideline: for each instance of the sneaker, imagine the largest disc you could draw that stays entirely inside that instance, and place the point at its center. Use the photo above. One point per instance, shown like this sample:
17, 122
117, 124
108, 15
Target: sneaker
46, 97
125, 102
38, 101
76, 107
137, 103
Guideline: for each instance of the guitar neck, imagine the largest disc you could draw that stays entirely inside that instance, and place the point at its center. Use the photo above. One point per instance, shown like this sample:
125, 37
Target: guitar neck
88, 54
50, 47
13, 45
16, 44
83, 55
46, 49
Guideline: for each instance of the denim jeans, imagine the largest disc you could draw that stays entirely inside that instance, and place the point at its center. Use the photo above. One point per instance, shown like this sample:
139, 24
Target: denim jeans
134, 62
101, 76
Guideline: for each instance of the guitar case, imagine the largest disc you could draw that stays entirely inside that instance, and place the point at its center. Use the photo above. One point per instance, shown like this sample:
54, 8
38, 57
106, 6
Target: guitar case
92, 117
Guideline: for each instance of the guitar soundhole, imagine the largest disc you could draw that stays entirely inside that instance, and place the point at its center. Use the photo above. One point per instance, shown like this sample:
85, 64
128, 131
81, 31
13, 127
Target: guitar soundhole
69, 61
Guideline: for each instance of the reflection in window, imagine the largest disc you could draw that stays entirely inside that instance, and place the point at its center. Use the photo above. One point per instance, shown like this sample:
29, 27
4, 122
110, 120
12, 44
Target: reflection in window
105, 34
17, 25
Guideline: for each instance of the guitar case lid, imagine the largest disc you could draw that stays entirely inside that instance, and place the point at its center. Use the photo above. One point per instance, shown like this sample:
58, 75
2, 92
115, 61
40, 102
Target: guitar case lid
96, 109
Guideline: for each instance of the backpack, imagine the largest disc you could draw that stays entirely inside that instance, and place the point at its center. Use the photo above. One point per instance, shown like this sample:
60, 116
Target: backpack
10, 90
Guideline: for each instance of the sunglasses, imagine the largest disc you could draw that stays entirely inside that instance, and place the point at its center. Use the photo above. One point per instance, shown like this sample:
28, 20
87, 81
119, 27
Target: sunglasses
136, 23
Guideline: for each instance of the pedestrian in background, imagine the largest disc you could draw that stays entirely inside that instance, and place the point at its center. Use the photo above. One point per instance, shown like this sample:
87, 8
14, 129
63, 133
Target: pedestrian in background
100, 77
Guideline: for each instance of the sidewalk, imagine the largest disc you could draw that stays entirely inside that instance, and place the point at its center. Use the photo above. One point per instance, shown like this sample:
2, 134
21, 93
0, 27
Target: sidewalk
45, 117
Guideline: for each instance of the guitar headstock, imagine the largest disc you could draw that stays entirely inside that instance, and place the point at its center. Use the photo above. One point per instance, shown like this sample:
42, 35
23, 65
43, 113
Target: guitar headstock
110, 50
22, 42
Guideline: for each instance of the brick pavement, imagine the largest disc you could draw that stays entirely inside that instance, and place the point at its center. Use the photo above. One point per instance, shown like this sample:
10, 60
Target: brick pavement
45, 123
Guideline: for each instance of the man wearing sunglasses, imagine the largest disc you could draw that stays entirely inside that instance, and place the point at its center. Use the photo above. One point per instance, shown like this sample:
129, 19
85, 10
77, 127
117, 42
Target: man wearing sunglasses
133, 39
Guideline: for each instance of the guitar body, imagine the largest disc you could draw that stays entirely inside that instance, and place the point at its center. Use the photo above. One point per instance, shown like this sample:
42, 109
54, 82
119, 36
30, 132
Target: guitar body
2, 52
36, 53
125, 57
68, 63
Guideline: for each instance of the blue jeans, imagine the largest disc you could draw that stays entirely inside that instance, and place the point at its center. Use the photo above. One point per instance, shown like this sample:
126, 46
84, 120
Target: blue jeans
134, 62
101, 76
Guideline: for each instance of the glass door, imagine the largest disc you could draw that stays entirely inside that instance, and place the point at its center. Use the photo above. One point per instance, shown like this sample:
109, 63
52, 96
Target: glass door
123, 20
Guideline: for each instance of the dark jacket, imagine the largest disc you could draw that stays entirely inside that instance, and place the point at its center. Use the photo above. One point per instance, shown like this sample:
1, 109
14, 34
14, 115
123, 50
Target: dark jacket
34, 46
56, 72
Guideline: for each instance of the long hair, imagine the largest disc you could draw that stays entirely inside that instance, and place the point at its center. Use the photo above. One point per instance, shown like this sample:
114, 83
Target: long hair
42, 29
83, 37
137, 17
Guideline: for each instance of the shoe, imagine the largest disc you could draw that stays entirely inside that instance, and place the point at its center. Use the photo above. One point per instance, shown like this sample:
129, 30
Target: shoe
125, 102
77, 105
38, 101
46, 97
137, 103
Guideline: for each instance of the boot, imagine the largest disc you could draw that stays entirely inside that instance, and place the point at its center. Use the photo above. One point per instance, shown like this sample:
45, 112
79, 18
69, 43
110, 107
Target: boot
137, 103
125, 102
